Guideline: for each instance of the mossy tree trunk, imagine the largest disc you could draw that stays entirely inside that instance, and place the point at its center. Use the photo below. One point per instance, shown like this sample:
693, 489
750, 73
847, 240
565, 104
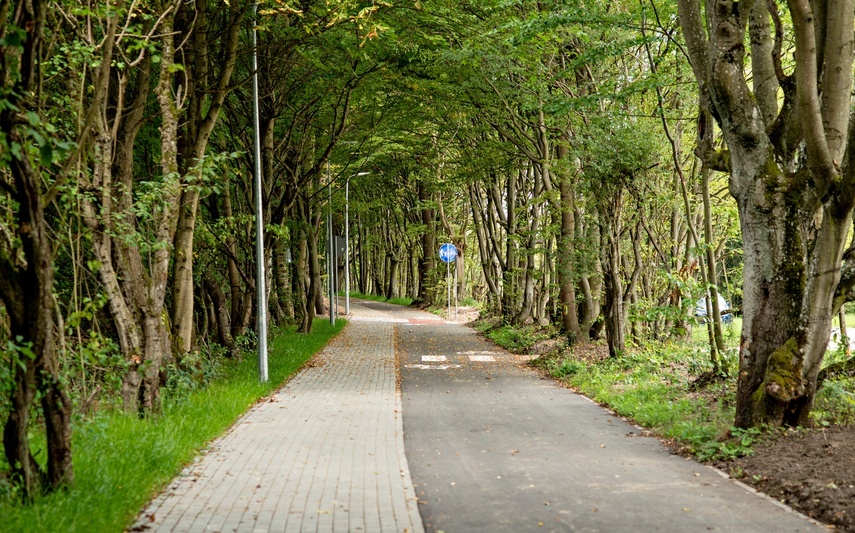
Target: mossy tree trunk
792, 176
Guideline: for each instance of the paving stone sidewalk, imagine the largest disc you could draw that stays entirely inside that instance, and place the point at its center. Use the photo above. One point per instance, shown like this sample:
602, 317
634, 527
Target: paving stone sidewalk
324, 454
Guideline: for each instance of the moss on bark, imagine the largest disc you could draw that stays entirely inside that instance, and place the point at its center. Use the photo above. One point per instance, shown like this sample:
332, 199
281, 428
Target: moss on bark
782, 385
783, 380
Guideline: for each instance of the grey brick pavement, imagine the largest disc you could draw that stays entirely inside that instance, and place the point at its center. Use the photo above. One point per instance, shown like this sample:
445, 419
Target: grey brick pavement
325, 453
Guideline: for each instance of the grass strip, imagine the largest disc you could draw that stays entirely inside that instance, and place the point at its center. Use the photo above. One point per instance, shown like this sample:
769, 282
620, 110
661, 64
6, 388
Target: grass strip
122, 462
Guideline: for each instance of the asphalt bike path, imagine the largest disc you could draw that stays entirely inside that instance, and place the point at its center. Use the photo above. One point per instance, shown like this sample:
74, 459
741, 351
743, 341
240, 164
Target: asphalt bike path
490, 446
493, 446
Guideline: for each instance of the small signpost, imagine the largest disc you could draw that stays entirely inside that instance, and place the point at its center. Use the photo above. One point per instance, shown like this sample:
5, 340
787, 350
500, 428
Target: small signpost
448, 254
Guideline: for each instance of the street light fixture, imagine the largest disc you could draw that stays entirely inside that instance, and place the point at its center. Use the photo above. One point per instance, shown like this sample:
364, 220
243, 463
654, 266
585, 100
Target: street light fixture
347, 241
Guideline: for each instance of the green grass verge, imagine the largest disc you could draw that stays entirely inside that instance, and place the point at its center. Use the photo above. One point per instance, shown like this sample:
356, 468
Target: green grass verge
515, 339
121, 462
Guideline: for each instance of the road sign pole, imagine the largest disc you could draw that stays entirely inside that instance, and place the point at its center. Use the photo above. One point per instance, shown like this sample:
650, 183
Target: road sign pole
347, 248
455, 290
330, 248
448, 286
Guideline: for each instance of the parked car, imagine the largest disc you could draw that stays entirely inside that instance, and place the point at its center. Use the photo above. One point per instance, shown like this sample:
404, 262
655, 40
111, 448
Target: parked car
723, 307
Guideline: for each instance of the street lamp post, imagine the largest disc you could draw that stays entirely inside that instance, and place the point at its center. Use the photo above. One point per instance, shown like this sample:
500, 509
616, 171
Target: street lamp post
261, 289
330, 249
347, 242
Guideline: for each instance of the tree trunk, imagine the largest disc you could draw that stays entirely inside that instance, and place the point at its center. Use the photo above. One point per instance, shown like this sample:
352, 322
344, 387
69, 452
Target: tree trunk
26, 290
307, 309
565, 263
793, 182
613, 308
392, 280
717, 337
427, 261
182, 271
205, 105
283, 280
485, 248
218, 299
509, 285
240, 299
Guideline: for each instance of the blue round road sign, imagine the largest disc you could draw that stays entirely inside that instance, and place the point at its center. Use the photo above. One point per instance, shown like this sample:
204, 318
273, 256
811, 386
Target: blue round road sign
448, 252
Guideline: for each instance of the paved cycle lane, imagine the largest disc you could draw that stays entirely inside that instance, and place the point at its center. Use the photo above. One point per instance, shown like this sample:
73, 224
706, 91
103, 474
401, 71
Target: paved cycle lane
494, 446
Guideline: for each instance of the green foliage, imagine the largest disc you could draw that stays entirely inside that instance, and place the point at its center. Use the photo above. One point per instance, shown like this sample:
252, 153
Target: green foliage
13, 356
740, 444
516, 339
121, 461
194, 371
835, 403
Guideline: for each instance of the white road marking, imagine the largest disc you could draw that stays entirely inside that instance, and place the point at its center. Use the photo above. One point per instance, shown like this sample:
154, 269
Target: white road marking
482, 358
434, 359
478, 352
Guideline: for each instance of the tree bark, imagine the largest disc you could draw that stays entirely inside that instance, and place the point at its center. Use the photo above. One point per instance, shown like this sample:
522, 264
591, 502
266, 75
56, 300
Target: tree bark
613, 305
568, 307
26, 290
223, 323
427, 261
205, 105
793, 188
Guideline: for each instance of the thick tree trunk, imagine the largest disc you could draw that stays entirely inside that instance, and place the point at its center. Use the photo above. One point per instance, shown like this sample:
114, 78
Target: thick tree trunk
182, 271
307, 309
155, 334
392, 279
427, 261
793, 181
32, 319
26, 290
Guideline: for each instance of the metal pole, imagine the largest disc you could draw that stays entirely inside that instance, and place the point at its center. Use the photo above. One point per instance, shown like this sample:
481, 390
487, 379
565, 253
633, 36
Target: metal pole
347, 248
455, 288
330, 251
448, 285
260, 284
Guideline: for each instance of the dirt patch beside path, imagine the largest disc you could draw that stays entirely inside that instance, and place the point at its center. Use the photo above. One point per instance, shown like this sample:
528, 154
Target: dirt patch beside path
812, 471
